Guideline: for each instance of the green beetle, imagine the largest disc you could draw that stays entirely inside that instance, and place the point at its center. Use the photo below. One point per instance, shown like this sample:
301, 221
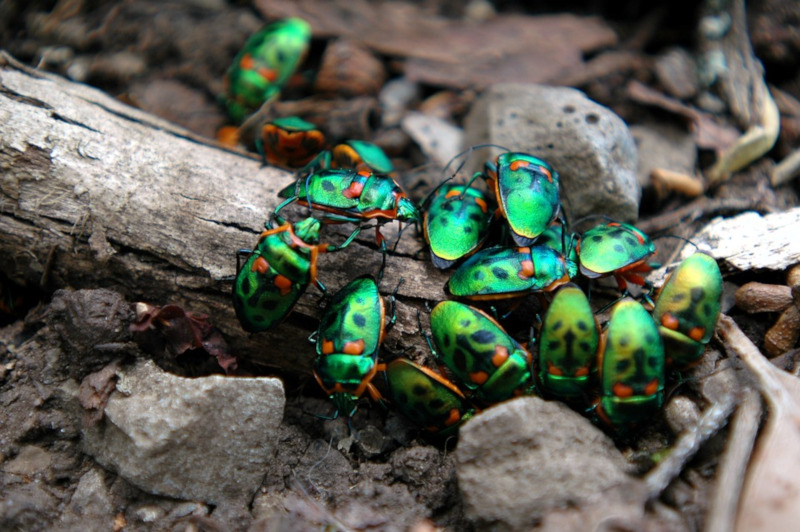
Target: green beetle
277, 272
349, 335
455, 224
352, 196
555, 239
426, 398
290, 142
631, 366
485, 359
526, 189
500, 272
358, 155
264, 65
568, 345
687, 309
616, 249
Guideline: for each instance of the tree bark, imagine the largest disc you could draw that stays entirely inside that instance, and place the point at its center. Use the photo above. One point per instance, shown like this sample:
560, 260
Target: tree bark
94, 193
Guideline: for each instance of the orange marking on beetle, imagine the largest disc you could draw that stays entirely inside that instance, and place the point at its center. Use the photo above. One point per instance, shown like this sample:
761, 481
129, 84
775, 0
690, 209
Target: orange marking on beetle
353, 348
283, 283
651, 388
260, 265
327, 347
268, 74
453, 418
546, 173
365, 173
582, 372
500, 355
554, 370
246, 63
354, 190
452, 193
482, 205
697, 333
479, 377
516, 165
669, 321
622, 390
527, 270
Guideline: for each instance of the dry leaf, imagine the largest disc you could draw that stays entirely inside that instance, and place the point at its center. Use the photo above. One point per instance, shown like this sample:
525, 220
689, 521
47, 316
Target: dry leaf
771, 495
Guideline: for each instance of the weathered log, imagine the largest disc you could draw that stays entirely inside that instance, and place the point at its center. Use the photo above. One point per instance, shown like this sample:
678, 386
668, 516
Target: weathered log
94, 193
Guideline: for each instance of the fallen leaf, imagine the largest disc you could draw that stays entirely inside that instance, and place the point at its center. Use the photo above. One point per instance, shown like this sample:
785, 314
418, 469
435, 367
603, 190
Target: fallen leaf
455, 53
770, 497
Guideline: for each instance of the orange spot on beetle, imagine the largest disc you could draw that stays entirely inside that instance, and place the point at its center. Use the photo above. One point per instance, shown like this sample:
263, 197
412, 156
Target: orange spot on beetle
246, 63
452, 193
554, 370
546, 173
516, 165
622, 390
453, 418
260, 265
268, 74
669, 321
479, 377
697, 333
353, 348
527, 270
284, 284
482, 205
500, 355
327, 347
651, 388
582, 372
354, 190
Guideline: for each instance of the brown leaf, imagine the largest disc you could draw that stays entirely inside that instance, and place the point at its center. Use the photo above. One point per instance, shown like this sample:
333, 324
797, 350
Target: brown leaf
95, 390
452, 53
770, 498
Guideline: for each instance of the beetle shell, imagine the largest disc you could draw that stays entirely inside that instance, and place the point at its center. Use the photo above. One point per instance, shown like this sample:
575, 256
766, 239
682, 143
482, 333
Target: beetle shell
615, 248
687, 309
353, 322
526, 188
479, 352
631, 367
456, 223
345, 378
361, 155
351, 193
265, 63
274, 276
568, 344
426, 398
290, 142
500, 272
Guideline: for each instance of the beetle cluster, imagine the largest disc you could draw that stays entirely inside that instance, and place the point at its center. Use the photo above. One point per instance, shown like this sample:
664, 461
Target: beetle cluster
537, 253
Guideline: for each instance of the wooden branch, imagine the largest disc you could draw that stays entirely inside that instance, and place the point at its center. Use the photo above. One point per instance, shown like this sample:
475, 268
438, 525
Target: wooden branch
94, 193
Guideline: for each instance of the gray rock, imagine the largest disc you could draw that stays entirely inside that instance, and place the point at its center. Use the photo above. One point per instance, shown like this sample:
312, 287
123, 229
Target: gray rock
677, 72
208, 439
588, 144
522, 459
90, 505
665, 146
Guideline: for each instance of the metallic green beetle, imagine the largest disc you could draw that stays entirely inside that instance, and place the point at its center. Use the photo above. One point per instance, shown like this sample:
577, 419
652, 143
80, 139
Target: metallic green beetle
455, 224
264, 65
526, 188
616, 249
687, 309
568, 345
348, 338
631, 366
555, 239
290, 142
500, 272
358, 155
277, 272
429, 400
485, 359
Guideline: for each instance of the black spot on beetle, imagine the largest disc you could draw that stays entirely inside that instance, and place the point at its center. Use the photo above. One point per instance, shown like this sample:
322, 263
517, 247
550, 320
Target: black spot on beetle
436, 404
359, 319
500, 273
483, 336
419, 390
327, 186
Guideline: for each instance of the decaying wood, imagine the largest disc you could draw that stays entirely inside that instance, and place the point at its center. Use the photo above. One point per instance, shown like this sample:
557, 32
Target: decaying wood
121, 199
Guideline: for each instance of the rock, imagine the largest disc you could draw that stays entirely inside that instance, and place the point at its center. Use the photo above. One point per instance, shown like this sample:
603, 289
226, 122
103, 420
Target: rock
440, 141
209, 438
589, 145
666, 146
91, 504
521, 459
677, 72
